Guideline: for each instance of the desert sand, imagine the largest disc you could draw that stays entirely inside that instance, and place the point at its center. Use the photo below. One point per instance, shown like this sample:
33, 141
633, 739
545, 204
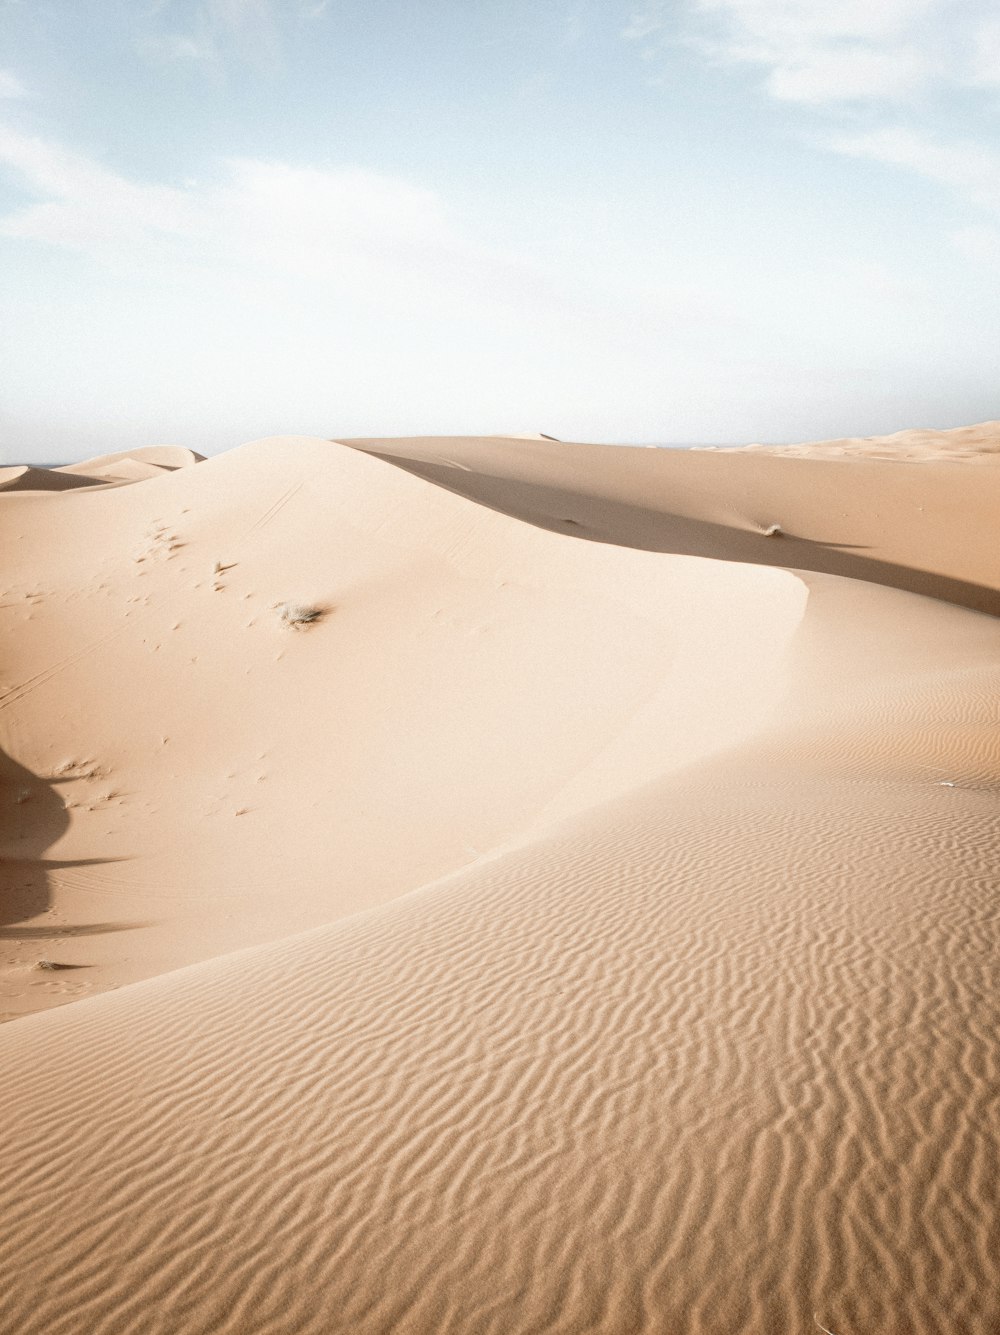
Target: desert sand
580, 917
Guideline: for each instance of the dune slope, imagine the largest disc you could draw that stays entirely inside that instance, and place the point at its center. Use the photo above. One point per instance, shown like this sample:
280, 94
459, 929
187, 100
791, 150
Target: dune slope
867, 518
719, 1056
203, 776
700, 1036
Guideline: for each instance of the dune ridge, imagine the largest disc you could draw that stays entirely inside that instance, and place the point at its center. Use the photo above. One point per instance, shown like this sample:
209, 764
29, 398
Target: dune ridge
890, 524
103, 470
684, 1019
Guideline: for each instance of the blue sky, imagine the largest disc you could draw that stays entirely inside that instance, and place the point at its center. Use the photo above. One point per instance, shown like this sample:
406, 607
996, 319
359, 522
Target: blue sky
695, 220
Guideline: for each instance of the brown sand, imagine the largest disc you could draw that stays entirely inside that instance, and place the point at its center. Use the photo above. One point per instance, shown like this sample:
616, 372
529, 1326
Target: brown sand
645, 975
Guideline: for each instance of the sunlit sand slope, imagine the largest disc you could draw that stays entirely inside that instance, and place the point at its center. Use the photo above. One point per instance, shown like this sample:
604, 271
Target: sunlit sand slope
719, 1056
189, 774
867, 518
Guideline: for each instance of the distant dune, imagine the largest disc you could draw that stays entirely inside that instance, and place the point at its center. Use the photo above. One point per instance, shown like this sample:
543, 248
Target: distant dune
978, 444
501, 885
23, 477
104, 470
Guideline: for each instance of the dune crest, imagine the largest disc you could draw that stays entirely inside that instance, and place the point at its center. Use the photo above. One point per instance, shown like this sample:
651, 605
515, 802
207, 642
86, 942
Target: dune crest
892, 526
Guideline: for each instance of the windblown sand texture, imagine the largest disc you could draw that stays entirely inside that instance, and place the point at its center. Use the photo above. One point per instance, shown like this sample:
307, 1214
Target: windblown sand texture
586, 923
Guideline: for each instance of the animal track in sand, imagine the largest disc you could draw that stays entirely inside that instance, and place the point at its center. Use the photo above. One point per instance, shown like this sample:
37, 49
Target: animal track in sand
71, 770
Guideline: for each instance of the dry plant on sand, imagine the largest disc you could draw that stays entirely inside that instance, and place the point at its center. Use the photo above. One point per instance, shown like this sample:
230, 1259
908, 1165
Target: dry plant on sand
299, 614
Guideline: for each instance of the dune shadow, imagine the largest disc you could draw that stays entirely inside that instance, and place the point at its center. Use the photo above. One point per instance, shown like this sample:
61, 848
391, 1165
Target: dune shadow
34, 818
82, 929
648, 528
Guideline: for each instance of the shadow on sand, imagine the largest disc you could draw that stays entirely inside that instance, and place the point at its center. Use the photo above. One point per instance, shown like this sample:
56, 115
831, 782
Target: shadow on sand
601, 519
34, 818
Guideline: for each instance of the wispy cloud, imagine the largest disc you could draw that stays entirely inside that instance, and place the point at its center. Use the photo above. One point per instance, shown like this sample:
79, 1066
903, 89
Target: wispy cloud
891, 60
979, 244
828, 51
835, 52
985, 65
82, 205
212, 31
971, 170
170, 48
847, 73
11, 85
380, 238
814, 51
647, 22
294, 285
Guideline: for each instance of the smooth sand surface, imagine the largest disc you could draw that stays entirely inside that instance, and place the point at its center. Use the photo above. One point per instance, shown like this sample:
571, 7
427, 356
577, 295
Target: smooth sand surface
553, 935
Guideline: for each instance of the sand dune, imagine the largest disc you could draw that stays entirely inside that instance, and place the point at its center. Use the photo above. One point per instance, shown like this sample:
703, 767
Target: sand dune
169, 457
23, 477
649, 972
103, 470
876, 521
979, 444
401, 737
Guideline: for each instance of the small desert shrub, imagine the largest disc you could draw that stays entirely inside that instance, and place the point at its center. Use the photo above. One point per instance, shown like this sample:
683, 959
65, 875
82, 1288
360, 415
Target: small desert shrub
299, 614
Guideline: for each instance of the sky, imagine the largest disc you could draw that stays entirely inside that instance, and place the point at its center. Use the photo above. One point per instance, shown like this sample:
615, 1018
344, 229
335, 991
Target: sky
712, 221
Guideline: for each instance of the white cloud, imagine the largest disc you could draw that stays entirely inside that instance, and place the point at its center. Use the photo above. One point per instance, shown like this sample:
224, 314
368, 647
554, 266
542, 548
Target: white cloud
250, 30
647, 22
979, 244
879, 58
274, 296
171, 47
85, 206
249, 25
985, 65
11, 85
381, 239
785, 23
969, 169
848, 73
827, 51
837, 53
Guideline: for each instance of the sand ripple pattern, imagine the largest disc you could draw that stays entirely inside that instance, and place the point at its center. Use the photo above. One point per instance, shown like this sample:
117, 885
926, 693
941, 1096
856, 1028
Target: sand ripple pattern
719, 1060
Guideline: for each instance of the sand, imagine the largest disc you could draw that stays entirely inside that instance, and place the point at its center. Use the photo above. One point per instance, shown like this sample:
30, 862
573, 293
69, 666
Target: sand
977, 444
586, 923
104, 470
